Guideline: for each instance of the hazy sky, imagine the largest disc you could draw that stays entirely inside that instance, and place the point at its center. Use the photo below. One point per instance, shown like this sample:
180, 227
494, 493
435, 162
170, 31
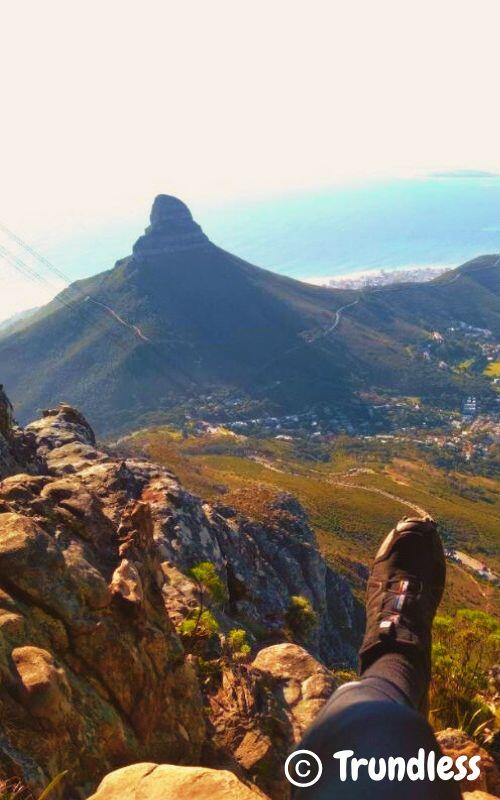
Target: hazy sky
107, 103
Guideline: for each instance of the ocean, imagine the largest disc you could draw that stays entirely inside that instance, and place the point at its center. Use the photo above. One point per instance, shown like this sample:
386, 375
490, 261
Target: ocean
364, 226
348, 228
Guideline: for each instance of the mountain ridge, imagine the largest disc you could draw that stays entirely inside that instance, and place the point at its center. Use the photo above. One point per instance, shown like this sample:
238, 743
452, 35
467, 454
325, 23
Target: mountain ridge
181, 317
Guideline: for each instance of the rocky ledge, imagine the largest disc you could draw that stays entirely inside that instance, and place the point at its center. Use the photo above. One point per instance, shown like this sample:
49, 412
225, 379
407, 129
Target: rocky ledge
96, 674
95, 554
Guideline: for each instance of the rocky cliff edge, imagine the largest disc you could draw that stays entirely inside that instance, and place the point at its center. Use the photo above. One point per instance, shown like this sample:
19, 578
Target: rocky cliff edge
94, 560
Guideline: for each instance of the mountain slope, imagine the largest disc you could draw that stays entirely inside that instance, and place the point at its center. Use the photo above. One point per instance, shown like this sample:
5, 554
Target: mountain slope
181, 318
8, 326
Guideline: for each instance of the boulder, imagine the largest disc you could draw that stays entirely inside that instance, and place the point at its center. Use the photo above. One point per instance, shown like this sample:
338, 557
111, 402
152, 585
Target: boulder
262, 709
455, 743
478, 796
303, 683
168, 782
126, 582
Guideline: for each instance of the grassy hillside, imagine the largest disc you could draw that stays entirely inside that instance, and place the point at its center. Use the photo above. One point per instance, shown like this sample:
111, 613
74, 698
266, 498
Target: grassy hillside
353, 498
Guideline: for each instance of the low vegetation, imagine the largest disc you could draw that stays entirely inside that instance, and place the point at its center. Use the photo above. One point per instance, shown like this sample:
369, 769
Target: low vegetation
352, 498
237, 644
301, 618
466, 647
15, 790
10, 790
201, 624
493, 369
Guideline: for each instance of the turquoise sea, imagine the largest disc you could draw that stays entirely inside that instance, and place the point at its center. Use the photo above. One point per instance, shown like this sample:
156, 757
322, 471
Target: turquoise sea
347, 228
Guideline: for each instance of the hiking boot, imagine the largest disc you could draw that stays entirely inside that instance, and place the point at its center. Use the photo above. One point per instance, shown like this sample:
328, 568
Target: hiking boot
404, 590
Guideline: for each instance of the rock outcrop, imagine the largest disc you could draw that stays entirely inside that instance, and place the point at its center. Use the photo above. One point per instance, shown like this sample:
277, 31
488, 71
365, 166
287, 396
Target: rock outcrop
172, 230
167, 782
93, 676
263, 564
262, 709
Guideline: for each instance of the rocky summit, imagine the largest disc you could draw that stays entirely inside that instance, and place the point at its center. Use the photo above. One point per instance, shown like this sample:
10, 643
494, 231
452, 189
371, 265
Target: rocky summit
97, 670
172, 229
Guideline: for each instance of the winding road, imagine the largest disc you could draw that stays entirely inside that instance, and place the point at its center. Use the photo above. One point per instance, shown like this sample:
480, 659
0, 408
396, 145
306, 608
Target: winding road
338, 316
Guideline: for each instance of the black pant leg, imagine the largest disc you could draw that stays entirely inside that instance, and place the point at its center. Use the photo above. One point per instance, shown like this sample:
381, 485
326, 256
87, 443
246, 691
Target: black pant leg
372, 719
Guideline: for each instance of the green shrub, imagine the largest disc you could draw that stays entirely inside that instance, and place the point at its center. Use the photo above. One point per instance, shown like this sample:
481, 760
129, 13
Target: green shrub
237, 643
205, 576
209, 671
199, 623
465, 647
300, 616
345, 676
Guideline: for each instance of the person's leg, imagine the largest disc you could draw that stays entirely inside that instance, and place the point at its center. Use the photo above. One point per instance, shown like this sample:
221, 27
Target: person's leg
361, 721
379, 715
406, 675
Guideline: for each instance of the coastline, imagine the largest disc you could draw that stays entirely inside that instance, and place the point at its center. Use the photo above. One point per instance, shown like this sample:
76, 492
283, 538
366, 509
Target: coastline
355, 279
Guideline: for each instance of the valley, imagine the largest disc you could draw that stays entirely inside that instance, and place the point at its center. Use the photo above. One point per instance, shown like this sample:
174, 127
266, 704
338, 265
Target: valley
353, 489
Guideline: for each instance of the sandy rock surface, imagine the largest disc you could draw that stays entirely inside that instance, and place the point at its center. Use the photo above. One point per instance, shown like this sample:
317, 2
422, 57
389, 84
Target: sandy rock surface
168, 782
